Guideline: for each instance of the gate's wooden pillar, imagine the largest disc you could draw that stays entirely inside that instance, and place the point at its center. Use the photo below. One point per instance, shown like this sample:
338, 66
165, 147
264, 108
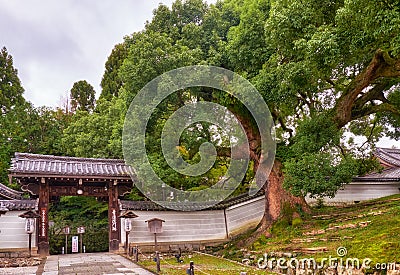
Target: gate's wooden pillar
113, 217
43, 228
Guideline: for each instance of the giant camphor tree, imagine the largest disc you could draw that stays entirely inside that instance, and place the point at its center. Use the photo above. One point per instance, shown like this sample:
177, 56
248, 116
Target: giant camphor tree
325, 69
334, 68
331, 67
11, 91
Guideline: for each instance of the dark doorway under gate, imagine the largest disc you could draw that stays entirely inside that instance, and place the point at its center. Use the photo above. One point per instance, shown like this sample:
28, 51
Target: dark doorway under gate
78, 212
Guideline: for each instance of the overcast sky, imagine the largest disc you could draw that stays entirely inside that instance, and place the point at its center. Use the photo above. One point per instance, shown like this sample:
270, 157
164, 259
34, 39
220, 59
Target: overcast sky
56, 43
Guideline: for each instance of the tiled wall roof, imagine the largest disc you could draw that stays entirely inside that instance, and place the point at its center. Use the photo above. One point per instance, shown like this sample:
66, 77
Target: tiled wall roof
8, 193
187, 206
14, 205
390, 158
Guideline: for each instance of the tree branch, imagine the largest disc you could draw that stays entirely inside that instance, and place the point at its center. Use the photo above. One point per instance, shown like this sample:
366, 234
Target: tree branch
381, 65
372, 109
376, 93
369, 136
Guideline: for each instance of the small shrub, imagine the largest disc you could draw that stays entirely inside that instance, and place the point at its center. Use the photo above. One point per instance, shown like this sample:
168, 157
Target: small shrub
320, 203
296, 222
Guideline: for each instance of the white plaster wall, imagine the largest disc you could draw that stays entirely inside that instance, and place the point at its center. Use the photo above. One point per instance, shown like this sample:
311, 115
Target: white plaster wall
361, 191
178, 226
12, 231
245, 215
197, 226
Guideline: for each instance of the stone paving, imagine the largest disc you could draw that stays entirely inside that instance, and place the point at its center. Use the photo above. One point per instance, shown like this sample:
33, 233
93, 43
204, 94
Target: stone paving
19, 270
88, 264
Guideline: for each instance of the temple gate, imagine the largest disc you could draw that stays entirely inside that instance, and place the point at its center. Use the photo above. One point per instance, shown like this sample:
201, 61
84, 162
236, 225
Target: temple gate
47, 177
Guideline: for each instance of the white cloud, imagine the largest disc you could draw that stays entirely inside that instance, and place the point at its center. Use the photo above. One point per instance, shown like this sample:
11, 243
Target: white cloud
55, 43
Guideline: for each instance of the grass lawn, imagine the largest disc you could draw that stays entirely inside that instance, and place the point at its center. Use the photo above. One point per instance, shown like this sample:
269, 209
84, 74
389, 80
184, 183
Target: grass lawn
204, 264
367, 230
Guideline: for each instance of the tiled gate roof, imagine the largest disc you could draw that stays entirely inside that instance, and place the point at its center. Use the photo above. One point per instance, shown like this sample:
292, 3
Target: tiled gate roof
48, 165
389, 174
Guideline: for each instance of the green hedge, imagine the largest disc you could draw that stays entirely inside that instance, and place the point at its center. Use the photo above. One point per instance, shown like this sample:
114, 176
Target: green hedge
94, 240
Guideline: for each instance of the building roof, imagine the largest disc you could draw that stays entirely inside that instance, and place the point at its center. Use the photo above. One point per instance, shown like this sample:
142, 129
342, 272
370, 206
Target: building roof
24, 164
389, 174
389, 157
8, 193
15, 205
188, 206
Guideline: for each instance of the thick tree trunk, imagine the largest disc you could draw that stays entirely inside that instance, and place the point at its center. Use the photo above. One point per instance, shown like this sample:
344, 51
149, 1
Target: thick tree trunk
276, 196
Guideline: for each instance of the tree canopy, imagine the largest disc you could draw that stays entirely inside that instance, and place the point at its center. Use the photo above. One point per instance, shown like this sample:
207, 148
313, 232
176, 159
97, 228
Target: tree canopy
328, 70
82, 96
325, 69
11, 91
111, 81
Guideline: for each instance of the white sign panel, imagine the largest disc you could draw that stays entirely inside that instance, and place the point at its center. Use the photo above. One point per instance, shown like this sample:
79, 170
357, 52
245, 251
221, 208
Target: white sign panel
75, 245
80, 230
128, 225
29, 225
66, 230
43, 215
114, 220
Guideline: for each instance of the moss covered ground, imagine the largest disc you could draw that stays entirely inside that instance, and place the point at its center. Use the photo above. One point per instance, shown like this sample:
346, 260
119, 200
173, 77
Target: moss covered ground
365, 230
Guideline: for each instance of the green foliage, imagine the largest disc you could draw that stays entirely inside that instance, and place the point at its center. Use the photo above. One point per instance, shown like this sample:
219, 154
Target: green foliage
11, 91
364, 26
188, 33
390, 119
24, 128
12, 112
82, 96
317, 174
29, 129
314, 134
296, 222
150, 55
301, 56
247, 48
97, 134
95, 239
305, 58
111, 81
